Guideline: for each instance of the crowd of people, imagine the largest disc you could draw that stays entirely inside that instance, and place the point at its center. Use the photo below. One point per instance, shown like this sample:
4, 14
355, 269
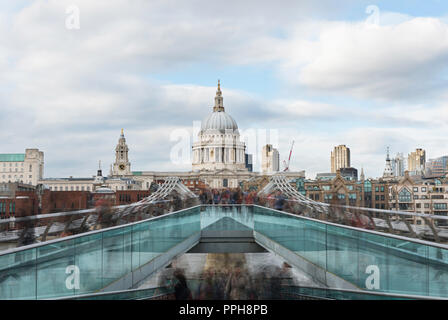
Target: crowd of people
236, 196
234, 283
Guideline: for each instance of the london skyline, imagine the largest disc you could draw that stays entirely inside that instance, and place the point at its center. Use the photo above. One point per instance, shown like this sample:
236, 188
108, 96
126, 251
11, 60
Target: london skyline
321, 77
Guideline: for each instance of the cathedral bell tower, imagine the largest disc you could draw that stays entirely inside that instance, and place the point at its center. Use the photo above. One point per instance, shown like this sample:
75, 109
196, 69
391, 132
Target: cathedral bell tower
122, 166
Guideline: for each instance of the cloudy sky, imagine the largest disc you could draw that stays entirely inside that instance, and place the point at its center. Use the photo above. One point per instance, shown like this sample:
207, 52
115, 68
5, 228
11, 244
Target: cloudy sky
361, 73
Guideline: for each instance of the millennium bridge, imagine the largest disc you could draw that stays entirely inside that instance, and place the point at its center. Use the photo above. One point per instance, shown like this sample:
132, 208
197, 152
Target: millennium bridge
345, 252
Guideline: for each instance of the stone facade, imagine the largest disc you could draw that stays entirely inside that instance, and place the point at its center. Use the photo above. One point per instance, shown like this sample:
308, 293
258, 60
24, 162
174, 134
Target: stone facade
121, 166
425, 196
344, 191
219, 146
25, 167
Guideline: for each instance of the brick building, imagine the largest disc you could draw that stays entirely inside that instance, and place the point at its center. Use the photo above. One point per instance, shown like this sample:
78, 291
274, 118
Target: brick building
18, 199
130, 196
346, 191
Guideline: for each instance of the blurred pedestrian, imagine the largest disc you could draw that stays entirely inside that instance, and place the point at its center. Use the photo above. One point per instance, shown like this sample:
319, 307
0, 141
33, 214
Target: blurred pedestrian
181, 290
279, 201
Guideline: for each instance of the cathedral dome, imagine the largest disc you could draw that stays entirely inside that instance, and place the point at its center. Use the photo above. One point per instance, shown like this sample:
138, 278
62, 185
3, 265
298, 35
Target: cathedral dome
220, 121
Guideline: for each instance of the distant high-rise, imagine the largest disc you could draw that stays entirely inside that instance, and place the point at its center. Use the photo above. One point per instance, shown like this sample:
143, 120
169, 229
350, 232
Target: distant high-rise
249, 163
416, 161
398, 165
437, 167
340, 158
270, 159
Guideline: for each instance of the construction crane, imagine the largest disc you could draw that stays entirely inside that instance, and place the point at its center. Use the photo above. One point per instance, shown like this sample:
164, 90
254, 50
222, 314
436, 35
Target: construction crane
286, 164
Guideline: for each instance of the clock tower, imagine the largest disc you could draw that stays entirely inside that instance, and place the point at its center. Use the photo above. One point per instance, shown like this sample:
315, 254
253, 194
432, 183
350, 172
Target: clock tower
122, 166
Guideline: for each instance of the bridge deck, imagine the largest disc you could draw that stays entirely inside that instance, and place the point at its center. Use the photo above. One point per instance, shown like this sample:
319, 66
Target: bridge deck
120, 257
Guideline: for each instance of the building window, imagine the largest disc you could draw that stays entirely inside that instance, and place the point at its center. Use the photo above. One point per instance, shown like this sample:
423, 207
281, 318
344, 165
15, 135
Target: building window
367, 186
382, 189
418, 205
404, 195
416, 189
415, 197
423, 189
440, 206
426, 205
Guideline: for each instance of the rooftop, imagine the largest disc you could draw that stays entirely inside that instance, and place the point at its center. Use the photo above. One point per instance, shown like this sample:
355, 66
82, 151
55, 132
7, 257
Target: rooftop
12, 157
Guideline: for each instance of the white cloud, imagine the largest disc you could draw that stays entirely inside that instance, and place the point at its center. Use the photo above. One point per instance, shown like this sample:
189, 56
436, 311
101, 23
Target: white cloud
69, 92
398, 61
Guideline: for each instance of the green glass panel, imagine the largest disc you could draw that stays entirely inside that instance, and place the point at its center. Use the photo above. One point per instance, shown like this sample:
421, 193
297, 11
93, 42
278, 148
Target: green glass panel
89, 259
373, 261
18, 275
438, 271
342, 253
408, 267
57, 273
116, 254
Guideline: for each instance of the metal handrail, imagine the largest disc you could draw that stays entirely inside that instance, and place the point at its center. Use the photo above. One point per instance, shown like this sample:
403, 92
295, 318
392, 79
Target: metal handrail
392, 212
419, 241
373, 293
99, 294
35, 245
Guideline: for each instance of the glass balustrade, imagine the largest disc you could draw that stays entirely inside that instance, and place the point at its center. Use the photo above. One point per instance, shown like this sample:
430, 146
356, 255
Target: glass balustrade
87, 263
369, 260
